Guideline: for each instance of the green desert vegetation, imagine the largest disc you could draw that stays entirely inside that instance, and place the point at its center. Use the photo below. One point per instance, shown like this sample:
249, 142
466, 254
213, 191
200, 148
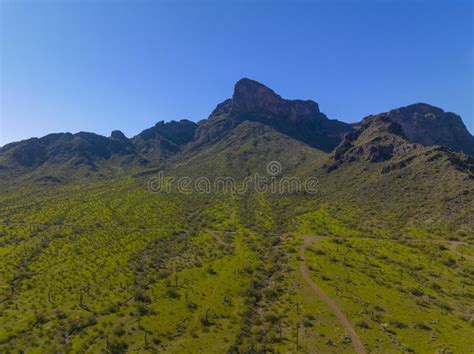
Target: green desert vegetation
413, 297
218, 273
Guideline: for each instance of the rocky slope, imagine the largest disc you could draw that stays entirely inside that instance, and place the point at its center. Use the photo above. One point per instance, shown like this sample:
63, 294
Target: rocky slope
379, 139
91, 151
428, 125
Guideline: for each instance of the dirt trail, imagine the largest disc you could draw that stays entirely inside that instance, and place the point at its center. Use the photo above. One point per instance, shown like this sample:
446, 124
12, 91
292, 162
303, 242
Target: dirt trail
454, 244
359, 348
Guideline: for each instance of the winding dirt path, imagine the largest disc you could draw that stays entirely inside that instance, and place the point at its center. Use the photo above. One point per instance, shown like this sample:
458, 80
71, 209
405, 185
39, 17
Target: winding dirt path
454, 244
359, 348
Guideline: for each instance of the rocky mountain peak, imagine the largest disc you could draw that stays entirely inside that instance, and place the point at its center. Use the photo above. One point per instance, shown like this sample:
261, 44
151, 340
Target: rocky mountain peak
379, 125
428, 125
377, 139
251, 96
118, 135
253, 101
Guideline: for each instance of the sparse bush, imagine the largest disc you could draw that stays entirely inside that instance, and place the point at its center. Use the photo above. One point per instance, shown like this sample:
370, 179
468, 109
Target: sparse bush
119, 332
450, 262
417, 292
141, 297
191, 305
397, 324
363, 325
211, 270
142, 310
421, 325
172, 293
271, 318
118, 347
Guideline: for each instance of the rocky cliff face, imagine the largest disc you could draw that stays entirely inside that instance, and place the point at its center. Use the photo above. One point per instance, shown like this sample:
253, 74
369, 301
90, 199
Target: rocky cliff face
252, 101
428, 125
377, 139
252, 97
164, 139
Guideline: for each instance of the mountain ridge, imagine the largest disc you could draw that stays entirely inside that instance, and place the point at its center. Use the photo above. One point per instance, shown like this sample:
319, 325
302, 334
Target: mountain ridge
251, 101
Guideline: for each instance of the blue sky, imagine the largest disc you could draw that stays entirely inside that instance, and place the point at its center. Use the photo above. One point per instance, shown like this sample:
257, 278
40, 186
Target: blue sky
103, 65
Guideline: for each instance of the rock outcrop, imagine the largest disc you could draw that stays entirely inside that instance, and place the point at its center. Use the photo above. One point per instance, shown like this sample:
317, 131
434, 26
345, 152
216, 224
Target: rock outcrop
428, 125
253, 101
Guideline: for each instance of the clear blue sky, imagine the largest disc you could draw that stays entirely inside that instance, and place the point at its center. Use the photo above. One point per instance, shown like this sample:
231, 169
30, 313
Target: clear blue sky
103, 65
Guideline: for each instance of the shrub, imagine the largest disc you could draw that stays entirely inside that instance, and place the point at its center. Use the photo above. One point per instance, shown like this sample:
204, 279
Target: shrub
417, 292
398, 324
211, 270
172, 293
450, 262
363, 324
271, 317
142, 310
119, 332
118, 347
141, 297
421, 325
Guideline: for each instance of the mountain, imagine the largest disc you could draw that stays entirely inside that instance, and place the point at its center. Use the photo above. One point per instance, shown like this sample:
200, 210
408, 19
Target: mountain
164, 139
74, 149
428, 125
252, 101
243, 151
160, 145
377, 139
69, 153
380, 140
377, 170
